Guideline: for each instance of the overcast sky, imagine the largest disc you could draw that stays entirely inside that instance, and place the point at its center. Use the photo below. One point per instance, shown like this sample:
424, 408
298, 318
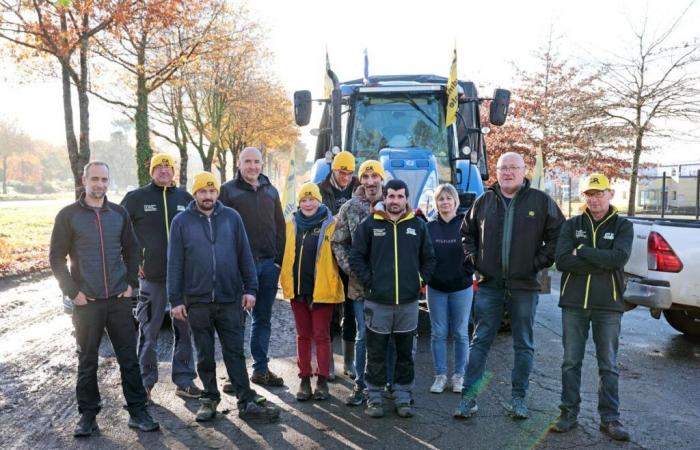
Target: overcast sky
401, 37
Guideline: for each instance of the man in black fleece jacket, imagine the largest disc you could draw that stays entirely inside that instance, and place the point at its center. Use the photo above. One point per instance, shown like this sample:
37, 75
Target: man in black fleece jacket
98, 237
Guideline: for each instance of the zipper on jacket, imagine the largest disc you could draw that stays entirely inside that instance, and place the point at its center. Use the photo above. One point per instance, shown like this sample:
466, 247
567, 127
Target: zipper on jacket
301, 253
396, 263
595, 230
102, 249
568, 275
165, 208
213, 258
612, 276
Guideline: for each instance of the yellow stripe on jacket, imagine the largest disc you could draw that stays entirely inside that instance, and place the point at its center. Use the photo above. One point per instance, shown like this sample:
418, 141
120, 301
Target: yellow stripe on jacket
328, 288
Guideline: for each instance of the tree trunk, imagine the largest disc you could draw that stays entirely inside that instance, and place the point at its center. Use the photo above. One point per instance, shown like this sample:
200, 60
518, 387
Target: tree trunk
143, 145
83, 103
71, 141
222, 165
183, 166
631, 205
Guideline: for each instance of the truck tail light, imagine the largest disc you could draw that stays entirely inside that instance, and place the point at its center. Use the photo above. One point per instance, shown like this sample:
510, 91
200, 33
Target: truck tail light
660, 255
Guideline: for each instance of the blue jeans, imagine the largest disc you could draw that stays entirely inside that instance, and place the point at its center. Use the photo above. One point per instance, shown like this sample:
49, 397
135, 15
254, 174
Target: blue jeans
449, 311
260, 331
489, 307
606, 336
361, 347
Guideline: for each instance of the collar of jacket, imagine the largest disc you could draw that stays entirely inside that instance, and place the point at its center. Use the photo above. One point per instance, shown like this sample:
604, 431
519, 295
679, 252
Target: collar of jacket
611, 212
192, 208
330, 182
81, 202
324, 225
458, 217
380, 214
243, 184
154, 186
495, 187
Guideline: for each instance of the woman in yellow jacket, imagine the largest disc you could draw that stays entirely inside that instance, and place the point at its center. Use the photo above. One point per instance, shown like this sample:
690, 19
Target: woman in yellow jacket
311, 282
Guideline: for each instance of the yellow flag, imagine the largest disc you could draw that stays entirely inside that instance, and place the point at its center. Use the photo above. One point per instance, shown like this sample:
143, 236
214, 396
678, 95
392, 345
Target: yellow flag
452, 101
327, 82
538, 172
289, 194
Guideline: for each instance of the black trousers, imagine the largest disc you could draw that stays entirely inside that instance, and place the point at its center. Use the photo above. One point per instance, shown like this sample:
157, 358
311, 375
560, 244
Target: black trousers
90, 321
348, 323
377, 344
228, 321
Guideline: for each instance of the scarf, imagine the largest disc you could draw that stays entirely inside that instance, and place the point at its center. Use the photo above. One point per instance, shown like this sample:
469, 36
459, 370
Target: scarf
306, 223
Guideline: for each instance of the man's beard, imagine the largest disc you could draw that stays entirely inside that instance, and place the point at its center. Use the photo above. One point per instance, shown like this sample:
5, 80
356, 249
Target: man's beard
395, 209
206, 205
97, 195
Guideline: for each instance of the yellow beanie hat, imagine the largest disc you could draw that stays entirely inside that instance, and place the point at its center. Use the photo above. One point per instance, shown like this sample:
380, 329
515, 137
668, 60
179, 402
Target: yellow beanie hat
309, 190
204, 179
161, 158
343, 161
373, 164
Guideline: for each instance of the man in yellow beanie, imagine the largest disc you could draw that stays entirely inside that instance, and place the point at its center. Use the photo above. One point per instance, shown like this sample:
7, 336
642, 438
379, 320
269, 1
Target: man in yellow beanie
152, 209
337, 189
211, 281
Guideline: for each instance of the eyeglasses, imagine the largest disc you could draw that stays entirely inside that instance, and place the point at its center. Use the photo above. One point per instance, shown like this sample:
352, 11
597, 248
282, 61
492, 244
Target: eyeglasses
344, 173
595, 194
509, 168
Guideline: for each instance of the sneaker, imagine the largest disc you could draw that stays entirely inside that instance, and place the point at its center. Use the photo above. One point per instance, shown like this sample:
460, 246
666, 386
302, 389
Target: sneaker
86, 425
439, 384
457, 383
142, 420
266, 379
228, 388
207, 410
188, 392
321, 392
258, 411
404, 410
565, 422
357, 397
466, 408
615, 430
375, 410
304, 392
518, 408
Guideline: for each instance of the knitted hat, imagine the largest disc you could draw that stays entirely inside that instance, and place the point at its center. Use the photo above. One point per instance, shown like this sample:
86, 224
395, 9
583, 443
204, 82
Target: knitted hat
343, 161
309, 190
161, 158
373, 164
204, 179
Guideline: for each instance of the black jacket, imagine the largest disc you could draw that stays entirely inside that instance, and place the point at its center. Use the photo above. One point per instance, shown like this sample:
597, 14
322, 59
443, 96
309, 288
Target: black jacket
450, 273
102, 248
209, 258
389, 258
261, 211
152, 209
509, 244
329, 194
594, 278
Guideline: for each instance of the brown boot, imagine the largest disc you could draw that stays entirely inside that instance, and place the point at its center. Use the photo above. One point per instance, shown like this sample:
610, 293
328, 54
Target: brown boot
321, 392
304, 392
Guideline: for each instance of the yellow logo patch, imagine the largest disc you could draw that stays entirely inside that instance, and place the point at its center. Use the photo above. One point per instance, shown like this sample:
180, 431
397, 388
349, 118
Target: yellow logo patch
531, 213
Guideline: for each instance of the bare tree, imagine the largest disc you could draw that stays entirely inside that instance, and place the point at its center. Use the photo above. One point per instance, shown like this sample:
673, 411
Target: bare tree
656, 84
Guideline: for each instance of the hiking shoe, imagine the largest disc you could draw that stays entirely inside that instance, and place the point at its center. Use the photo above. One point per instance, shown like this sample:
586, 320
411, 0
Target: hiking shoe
518, 408
86, 425
439, 384
321, 392
304, 392
615, 430
142, 420
207, 410
258, 411
266, 379
466, 408
357, 397
565, 422
457, 383
375, 410
404, 410
188, 392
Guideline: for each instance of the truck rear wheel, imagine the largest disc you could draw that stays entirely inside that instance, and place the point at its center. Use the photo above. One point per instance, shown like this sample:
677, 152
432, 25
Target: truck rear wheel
687, 322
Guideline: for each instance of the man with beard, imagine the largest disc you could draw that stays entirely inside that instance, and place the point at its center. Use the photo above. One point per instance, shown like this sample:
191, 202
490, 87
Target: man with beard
257, 201
351, 214
212, 281
391, 253
104, 260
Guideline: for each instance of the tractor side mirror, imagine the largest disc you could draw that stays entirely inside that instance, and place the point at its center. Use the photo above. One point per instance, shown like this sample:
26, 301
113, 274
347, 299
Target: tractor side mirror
302, 107
499, 107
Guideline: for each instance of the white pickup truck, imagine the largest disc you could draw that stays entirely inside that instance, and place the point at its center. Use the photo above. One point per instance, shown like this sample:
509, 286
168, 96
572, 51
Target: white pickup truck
663, 272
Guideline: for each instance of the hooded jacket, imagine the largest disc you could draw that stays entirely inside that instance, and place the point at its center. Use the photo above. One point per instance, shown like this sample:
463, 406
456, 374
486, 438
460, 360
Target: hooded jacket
261, 211
209, 258
594, 277
390, 258
451, 274
509, 243
152, 209
103, 251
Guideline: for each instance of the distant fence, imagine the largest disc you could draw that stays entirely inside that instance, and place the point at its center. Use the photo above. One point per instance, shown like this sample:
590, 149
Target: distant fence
669, 194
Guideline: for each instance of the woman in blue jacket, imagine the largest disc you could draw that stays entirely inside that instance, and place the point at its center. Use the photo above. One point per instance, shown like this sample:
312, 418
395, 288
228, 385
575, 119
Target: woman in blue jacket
449, 291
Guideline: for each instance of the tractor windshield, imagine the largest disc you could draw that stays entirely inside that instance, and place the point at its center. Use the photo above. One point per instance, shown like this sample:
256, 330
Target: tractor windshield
400, 120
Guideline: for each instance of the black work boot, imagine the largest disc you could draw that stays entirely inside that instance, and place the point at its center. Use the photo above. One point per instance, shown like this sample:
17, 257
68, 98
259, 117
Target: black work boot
565, 422
304, 392
207, 409
142, 420
615, 430
321, 392
86, 425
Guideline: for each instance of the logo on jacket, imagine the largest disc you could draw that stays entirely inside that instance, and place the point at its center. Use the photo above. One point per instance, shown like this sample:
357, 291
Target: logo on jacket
411, 231
379, 232
150, 208
609, 236
531, 213
181, 207
581, 234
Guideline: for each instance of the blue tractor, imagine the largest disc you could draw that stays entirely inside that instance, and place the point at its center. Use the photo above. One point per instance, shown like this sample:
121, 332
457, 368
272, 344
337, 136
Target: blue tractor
400, 121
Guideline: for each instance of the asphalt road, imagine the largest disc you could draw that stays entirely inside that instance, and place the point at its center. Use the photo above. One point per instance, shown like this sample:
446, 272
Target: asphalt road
660, 396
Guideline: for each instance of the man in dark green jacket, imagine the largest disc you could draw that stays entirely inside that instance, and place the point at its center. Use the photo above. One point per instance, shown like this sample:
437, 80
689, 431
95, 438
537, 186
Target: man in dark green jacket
592, 251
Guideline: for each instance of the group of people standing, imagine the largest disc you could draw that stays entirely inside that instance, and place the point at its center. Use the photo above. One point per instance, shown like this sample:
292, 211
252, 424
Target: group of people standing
218, 255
